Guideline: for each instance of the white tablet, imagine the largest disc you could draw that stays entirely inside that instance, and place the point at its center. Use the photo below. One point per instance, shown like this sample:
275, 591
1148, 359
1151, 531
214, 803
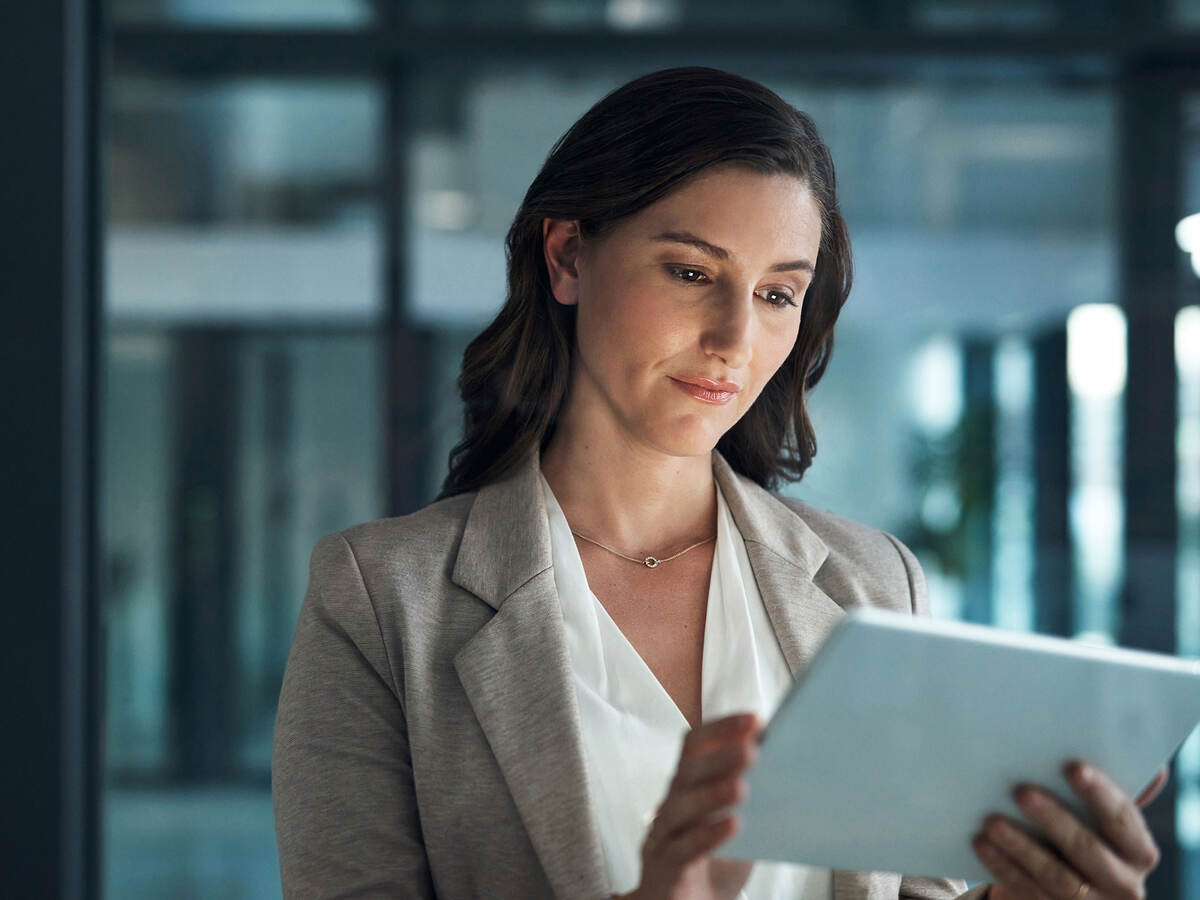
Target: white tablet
904, 733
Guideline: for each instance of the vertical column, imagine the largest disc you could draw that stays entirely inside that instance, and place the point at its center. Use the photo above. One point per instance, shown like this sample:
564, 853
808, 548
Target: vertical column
1052, 483
276, 436
204, 721
1149, 189
409, 360
49, 245
978, 478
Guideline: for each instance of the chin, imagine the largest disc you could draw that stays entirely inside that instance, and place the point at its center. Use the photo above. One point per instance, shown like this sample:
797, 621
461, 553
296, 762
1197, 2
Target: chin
688, 441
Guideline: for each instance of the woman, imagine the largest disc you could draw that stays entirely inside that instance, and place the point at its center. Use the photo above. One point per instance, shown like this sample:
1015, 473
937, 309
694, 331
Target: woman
550, 681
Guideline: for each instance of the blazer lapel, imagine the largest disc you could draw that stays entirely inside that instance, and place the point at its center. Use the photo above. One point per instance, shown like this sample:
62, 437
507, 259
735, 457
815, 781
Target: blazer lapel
785, 555
516, 671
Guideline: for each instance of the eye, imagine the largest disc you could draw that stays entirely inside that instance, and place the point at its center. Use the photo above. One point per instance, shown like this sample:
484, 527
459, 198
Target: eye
688, 274
778, 298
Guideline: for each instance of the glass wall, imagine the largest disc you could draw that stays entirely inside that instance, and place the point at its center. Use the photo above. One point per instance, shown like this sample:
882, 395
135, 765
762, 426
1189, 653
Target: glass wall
243, 419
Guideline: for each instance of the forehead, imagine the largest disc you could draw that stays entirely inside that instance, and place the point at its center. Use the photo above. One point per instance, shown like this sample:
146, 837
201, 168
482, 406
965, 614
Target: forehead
740, 209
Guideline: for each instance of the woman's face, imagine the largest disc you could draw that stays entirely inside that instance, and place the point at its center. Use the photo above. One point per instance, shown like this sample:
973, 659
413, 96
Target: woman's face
688, 308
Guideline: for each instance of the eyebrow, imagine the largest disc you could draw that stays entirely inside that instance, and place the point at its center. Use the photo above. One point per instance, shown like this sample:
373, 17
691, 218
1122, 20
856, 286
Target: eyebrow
686, 237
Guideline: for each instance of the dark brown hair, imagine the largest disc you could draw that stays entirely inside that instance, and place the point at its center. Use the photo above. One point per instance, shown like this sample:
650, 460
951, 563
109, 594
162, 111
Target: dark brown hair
634, 147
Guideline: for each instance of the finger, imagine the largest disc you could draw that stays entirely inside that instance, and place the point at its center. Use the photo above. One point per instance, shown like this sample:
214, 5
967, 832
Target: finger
1052, 875
1116, 815
730, 759
1085, 851
699, 773
729, 876
696, 842
687, 808
1006, 871
703, 738
1154, 788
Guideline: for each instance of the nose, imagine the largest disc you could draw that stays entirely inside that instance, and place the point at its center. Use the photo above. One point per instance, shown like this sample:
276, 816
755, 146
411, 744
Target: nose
729, 329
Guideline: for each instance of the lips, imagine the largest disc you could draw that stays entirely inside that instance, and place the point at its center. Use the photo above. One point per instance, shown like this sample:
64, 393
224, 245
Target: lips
727, 387
707, 390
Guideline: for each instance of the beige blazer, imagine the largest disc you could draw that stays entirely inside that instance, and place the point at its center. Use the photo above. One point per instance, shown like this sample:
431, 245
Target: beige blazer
428, 739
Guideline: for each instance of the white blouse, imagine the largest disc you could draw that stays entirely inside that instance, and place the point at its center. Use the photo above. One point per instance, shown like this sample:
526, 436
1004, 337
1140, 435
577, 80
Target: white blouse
632, 729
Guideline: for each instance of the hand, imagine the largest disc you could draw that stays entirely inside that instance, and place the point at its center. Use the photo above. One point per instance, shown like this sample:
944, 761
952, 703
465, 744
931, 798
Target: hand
1110, 861
675, 860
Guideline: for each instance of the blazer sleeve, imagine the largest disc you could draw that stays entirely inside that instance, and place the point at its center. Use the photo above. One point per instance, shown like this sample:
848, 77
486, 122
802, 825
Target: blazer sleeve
912, 887
341, 774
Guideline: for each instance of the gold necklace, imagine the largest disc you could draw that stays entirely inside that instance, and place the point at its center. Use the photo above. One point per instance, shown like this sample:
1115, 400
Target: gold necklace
649, 562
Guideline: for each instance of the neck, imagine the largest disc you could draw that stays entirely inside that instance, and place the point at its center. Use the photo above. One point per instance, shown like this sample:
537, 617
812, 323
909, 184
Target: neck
633, 498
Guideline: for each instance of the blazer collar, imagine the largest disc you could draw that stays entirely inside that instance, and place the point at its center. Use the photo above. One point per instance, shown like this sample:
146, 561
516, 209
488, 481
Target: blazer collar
785, 555
516, 670
507, 536
764, 518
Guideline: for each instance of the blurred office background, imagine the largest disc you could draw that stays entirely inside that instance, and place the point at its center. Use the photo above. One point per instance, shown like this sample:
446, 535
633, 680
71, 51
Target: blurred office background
282, 220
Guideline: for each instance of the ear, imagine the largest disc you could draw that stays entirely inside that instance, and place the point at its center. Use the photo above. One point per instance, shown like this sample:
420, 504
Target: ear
561, 243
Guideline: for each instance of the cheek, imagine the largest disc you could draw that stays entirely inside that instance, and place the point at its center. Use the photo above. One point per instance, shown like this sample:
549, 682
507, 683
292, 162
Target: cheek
630, 330
778, 345
770, 354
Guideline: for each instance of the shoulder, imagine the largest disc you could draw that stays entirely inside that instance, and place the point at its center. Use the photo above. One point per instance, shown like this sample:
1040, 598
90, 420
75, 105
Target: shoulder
389, 583
864, 565
400, 547
844, 536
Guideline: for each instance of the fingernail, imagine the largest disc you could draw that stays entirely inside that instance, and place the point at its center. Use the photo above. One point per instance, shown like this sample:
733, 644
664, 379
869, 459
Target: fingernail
1028, 797
1001, 833
1083, 774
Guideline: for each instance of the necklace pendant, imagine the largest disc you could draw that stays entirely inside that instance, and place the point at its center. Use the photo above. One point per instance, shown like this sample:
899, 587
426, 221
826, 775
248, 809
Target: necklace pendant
651, 562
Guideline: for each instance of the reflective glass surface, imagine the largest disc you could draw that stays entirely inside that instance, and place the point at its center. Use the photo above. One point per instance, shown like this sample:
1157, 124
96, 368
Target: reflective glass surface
244, 201
242, 419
